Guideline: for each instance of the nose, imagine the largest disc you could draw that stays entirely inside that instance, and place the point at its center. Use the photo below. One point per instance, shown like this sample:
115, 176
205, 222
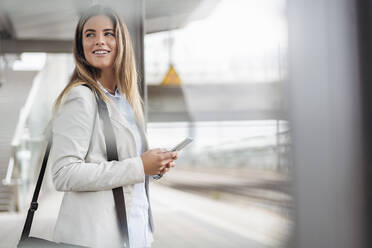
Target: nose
100, 40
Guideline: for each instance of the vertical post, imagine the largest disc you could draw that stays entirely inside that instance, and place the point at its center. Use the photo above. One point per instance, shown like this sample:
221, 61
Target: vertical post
134, 16
141, 58
277, 145
325, 116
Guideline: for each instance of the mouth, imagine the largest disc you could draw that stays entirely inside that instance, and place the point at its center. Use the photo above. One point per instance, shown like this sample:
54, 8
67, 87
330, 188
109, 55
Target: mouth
101, 52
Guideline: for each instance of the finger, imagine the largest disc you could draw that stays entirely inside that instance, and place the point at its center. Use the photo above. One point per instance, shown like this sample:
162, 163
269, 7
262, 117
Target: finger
169, 165
165, 162
174, 155
168, 155
163, 171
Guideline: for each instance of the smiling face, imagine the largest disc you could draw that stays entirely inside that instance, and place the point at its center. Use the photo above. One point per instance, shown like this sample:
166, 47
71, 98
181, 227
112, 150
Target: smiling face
99, 42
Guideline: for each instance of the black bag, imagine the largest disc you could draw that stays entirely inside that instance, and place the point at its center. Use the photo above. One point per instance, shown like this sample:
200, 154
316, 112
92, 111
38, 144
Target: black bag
112, 154
33, 242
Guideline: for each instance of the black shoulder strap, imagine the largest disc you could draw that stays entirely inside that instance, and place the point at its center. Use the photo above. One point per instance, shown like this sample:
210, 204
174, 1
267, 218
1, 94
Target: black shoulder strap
112, 154
34, 204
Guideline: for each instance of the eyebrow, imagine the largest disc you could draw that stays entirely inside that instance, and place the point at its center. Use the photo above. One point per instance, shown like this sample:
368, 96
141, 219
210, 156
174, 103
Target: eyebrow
92, 30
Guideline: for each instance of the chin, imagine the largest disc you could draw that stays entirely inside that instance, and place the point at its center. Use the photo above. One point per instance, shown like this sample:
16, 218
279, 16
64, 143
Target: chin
103, 66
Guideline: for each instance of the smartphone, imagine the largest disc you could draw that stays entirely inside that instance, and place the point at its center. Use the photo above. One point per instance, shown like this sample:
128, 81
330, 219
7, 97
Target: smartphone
178, 147
182, 144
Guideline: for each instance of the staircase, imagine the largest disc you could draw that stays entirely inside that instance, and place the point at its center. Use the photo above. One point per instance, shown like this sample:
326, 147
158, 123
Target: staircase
13, 95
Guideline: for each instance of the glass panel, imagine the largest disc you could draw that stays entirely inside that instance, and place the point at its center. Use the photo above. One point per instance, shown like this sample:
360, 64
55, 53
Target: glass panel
220, 81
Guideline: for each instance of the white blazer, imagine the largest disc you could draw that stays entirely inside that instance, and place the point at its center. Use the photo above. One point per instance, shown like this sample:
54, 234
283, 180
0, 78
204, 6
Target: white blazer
79, 167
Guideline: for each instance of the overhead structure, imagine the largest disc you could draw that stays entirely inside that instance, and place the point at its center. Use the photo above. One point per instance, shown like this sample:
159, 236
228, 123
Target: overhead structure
48, 26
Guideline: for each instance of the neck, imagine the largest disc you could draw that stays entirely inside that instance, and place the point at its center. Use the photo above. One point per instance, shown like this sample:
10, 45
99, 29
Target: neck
107, 80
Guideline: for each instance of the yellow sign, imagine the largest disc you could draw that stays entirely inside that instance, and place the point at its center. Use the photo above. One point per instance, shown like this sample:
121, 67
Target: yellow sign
171, 78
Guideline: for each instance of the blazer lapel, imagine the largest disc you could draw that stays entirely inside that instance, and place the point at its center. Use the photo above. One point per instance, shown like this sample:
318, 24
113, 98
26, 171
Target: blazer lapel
118, 117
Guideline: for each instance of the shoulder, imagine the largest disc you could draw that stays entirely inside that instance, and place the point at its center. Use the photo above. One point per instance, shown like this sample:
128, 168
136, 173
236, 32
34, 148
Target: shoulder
78, 98
81, 91
78, 104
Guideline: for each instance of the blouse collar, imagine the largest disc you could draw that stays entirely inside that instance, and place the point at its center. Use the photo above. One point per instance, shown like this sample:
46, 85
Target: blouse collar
117, 93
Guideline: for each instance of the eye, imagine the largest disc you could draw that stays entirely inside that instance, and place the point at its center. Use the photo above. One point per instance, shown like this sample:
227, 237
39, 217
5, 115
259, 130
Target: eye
89, 35
112, 34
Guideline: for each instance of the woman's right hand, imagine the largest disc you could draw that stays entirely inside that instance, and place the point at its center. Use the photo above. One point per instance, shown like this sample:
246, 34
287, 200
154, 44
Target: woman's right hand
155, 160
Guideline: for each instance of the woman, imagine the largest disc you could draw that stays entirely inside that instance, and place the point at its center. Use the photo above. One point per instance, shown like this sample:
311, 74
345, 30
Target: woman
105, 61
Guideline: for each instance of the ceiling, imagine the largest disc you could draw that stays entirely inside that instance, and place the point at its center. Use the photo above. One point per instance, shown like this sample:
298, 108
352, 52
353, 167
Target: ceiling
56, 20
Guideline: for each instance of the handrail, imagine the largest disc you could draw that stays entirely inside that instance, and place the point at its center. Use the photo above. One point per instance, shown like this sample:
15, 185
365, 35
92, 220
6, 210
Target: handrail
8, 181
19, 131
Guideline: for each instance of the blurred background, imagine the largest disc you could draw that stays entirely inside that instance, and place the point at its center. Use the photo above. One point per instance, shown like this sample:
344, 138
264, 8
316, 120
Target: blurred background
275, 94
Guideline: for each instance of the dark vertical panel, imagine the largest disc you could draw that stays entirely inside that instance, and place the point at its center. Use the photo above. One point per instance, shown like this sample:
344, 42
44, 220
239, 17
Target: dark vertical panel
365, 55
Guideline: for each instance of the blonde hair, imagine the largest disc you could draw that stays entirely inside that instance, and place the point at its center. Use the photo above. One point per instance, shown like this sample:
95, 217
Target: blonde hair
124, 67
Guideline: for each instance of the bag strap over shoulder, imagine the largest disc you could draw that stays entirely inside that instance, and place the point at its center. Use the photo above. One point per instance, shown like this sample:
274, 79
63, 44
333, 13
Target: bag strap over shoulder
112, 154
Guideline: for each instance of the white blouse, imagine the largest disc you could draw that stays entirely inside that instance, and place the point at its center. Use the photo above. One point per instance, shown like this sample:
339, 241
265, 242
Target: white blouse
139, 231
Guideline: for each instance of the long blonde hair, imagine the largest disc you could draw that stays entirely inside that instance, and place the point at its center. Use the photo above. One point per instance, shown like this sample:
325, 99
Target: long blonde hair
124, 67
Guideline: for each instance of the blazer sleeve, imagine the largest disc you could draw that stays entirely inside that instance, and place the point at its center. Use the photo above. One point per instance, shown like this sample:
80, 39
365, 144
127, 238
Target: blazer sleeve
72, 130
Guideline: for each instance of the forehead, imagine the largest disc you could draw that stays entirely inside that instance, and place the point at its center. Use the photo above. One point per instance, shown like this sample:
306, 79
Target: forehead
98, 22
